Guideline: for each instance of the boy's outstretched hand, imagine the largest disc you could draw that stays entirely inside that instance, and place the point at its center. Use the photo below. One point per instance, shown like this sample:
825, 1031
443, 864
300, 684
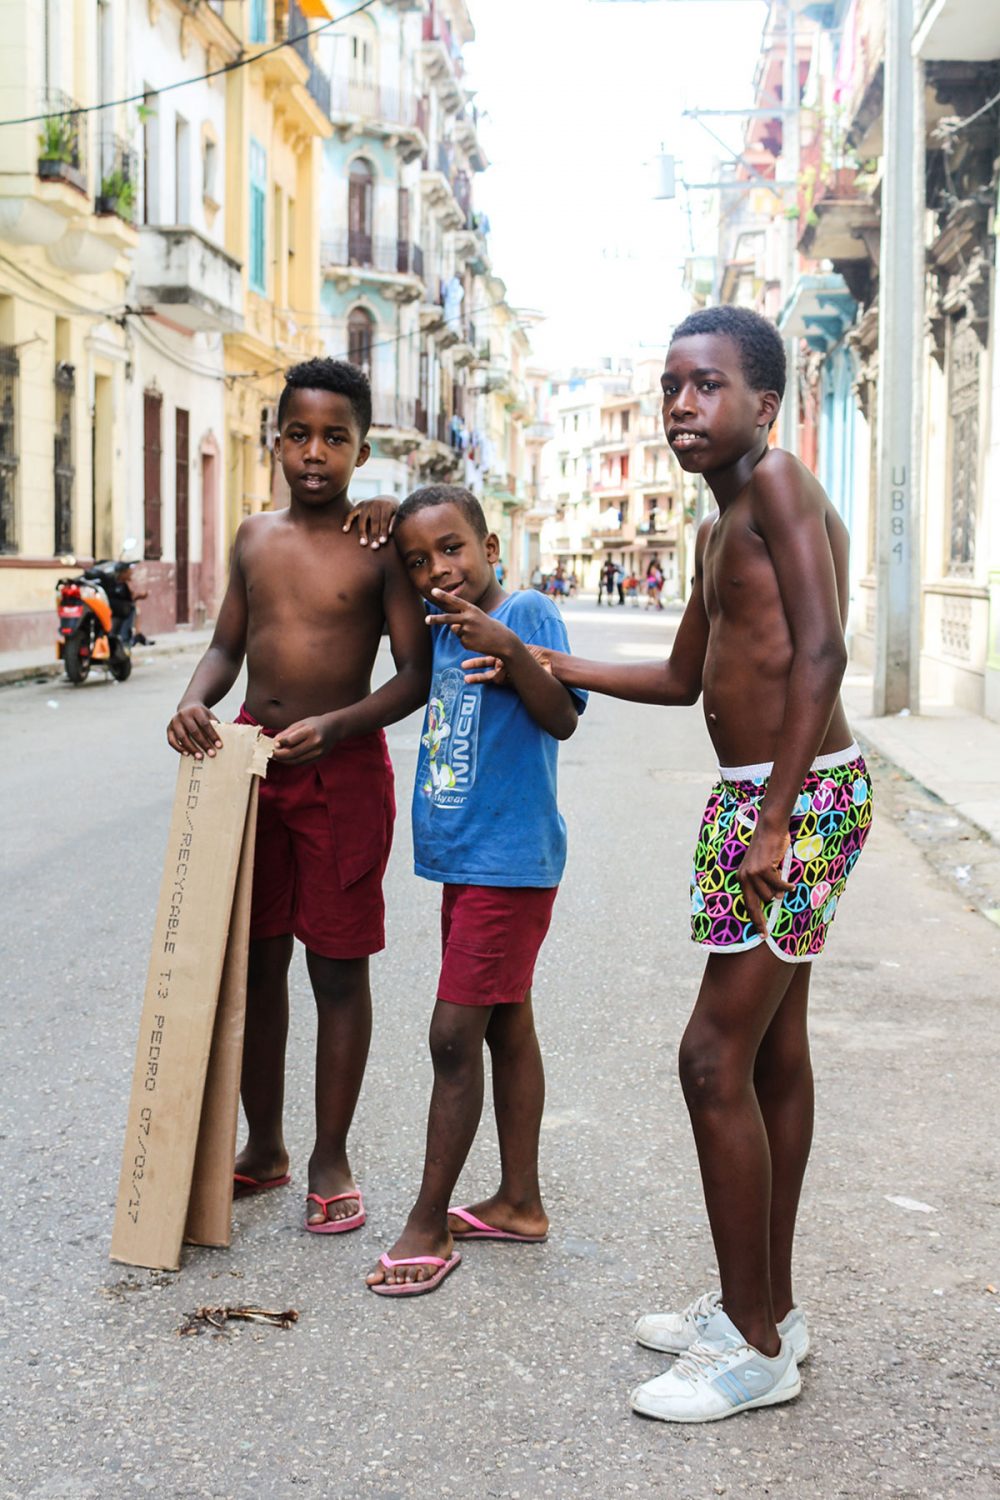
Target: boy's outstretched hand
375, 520
492, 669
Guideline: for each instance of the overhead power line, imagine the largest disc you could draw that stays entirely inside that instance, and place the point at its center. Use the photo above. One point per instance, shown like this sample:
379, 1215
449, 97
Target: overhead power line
243, 61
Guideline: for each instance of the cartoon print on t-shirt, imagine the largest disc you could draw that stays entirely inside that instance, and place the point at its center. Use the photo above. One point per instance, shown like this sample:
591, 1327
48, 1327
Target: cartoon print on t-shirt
451, 739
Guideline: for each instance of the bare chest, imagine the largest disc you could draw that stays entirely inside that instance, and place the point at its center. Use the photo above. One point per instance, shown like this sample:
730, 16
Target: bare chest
739, 578
328, 582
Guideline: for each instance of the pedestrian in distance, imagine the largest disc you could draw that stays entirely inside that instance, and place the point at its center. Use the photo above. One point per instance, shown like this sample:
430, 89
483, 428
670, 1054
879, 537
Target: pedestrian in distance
486, 825
606, 582
620, 584
305, 606
762, 642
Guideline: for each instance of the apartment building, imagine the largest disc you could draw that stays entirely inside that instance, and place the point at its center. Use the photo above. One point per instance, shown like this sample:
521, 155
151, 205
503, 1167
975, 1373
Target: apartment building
67, 229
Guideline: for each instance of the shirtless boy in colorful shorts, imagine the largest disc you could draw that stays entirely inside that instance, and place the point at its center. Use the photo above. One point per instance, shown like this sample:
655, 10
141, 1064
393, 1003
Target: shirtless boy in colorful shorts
306, 606
762, 642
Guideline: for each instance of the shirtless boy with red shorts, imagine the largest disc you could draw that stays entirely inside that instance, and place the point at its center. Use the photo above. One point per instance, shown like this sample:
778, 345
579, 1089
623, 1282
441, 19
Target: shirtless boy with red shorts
306, 605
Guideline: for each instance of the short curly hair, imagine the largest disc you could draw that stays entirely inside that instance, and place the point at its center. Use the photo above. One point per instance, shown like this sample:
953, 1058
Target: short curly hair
762, 354
334, 375
446, 494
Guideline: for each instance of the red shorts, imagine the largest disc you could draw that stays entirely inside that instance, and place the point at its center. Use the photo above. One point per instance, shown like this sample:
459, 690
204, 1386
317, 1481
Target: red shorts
490, 938
324, 831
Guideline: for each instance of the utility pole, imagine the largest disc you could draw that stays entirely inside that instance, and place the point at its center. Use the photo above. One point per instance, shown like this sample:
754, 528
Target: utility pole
900, 312
789, 425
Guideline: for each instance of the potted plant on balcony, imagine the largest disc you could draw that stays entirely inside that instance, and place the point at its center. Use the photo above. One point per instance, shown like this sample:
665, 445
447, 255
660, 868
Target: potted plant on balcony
117, 195
58, 153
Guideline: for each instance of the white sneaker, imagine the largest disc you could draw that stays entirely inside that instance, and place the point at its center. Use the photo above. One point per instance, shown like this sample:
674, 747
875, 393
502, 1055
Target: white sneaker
672, 1333
718, 1376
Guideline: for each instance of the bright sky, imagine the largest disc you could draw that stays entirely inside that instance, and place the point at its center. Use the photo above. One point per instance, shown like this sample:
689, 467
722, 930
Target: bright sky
580, 95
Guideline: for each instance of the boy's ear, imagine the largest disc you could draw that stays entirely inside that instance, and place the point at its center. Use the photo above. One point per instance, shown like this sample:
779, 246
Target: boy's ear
364, 454
770, 405
492, 547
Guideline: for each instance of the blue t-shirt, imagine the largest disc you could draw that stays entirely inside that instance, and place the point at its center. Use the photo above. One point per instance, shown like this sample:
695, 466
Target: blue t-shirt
484, 803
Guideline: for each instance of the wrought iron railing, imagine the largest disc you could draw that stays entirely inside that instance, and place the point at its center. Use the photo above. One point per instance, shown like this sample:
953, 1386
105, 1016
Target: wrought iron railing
357, 248
294, 27
118, 184
394, 411
62, 140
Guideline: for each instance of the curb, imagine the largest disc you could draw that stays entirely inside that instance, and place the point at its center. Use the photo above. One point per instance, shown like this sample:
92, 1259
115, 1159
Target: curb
43, 670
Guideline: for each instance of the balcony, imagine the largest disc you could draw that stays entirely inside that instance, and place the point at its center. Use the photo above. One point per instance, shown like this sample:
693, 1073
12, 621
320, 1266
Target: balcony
188, 279
117, 189
442, 59
539, 432
466, 134
394, 425
395, 266
359, 107
957, 31
839, 220
62, 142
300, 88
442, 191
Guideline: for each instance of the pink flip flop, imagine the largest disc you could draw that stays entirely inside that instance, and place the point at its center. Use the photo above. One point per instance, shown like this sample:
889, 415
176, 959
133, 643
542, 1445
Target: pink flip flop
336, 1226
477, 1230
416, 1288
246, 1187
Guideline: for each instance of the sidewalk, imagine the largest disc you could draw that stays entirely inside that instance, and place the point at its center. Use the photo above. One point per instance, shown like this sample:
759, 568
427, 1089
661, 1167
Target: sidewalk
38, 662
953, 754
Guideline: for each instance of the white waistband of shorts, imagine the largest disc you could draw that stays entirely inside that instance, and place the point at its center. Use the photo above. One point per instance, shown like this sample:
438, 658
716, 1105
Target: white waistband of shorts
763, 769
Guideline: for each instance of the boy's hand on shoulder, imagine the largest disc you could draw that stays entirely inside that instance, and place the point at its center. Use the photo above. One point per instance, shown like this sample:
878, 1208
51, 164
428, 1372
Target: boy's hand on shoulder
375, 520
190, 731
306, 740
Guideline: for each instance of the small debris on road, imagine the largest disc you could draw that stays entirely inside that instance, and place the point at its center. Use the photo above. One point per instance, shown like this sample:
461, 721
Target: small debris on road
913, 1205
217, 1317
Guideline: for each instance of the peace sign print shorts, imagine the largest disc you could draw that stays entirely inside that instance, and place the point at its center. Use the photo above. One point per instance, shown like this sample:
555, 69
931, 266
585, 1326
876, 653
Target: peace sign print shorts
828, 828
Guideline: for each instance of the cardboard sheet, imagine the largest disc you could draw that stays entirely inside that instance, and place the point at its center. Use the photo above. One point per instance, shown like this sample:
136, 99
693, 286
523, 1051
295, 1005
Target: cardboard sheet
176, 1174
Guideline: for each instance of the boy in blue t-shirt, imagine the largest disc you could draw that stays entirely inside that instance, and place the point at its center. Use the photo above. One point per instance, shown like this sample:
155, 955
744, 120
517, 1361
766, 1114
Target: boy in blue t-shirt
485, 824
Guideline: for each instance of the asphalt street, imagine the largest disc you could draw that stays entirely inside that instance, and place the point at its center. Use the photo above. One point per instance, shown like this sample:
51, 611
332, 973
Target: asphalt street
512, 1380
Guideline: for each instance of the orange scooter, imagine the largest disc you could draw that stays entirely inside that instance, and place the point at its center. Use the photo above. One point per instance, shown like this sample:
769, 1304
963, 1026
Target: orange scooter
88, 626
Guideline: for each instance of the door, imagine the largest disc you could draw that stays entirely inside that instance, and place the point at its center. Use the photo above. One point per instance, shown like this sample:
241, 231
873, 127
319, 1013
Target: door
152, 412
183, 606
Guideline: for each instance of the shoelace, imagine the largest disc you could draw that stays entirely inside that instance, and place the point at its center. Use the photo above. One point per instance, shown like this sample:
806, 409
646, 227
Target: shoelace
703, 1307
703, 1360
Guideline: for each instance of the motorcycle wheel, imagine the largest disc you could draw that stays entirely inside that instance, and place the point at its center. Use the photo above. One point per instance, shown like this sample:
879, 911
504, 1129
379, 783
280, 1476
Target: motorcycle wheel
77, 665
120, 665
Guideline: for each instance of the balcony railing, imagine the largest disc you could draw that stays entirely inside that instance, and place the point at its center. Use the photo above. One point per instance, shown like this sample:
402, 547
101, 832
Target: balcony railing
394, 411
373, 102
355, 248
118, 186
292, 26
62, 141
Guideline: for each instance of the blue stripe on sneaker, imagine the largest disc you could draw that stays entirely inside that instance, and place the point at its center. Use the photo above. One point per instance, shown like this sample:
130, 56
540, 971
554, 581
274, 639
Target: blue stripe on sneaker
732, 1388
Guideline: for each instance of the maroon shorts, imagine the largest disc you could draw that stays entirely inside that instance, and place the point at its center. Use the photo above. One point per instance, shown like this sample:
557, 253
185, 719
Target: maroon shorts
490, 939
324, 831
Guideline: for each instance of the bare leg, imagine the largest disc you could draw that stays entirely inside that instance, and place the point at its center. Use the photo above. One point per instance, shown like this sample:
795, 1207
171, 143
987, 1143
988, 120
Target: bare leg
262, 1085
783, 1083
344, 1028
456, 1040
739, 996
518, 1100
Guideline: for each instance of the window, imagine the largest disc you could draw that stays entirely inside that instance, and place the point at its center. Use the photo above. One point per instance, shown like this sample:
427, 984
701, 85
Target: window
152, 412
258, 20
209, 170
182, 171
359, 212
625, 421
9, 371
63, 470
360, 337
258, 218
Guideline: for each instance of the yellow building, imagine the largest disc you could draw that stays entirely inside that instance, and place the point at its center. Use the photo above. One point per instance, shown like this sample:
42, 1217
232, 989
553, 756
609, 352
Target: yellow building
277, 118
67, 209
